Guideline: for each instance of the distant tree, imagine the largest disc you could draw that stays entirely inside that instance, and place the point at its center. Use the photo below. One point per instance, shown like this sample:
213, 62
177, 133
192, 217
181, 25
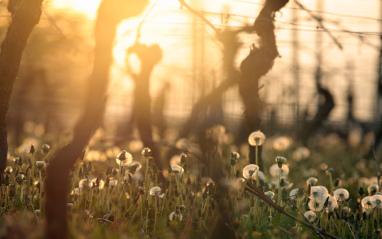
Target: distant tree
110, 15
25, 15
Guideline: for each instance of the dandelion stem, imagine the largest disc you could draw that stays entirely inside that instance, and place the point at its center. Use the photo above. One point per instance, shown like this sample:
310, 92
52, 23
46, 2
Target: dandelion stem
40, 191
119, 176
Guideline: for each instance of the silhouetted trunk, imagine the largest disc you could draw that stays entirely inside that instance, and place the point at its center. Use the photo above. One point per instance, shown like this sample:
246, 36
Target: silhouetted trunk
25, 15
322, 114
57, 183
149, 57
230, 46
257, 64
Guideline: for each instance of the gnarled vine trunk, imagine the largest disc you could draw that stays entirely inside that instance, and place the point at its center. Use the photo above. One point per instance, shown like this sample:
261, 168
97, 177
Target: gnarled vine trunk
110, 14
25, 15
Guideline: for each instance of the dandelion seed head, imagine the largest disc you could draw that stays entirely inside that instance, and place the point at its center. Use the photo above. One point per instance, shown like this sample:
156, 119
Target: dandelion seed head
331, 205
40, 165
174, 216
312, 181
270, 194
274, 170
249, 170
177, 170
84, 184
134, 167
124, 158
310, 215
256, 138
294, 194
377, 200
8, 170
341, 194
316, 204
156, 192
113, 183
368, 203
372, 189
318, 192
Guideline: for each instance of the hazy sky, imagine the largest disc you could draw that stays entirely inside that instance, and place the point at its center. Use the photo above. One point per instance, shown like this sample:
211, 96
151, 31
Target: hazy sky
354, 23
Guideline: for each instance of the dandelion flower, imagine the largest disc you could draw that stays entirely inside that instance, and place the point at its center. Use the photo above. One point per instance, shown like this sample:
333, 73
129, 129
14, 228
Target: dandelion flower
256, 138
274, 170
174, 216
311, 181
40, 165
294, 194
156, 192
177, 170
95, 182
311, 216
372, 189
318, 192
346, 211
250, 170
316, 204
84, 184
134, 167
124, 158
341, 194
377, 200
113, 183
8, 170
281, 160
368, 203
146, 152
331, 205
270, 194
46, 148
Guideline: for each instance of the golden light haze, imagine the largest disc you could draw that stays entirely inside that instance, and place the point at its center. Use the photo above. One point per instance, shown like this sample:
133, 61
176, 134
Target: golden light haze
172, 28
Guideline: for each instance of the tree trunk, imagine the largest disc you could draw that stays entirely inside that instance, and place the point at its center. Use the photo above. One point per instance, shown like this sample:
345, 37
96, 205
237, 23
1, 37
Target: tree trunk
257, 64
57, 183
25, 15
149, 57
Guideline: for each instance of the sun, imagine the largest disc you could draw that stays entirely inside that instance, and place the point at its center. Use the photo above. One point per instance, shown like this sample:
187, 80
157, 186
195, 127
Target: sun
87, 7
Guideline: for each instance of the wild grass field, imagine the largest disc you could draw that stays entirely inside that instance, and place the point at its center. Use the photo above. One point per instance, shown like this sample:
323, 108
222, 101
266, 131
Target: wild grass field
116, 191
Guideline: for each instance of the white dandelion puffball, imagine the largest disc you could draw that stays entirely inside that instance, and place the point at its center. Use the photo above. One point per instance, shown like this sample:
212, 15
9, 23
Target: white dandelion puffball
311, 216
332, 204
377, 200
316, 204
249, 170
319, 192
341, 194
124, 158
256, 138
368, 203
312, 181
274, 170
156, 192
84, 184
174, 216
177, 170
